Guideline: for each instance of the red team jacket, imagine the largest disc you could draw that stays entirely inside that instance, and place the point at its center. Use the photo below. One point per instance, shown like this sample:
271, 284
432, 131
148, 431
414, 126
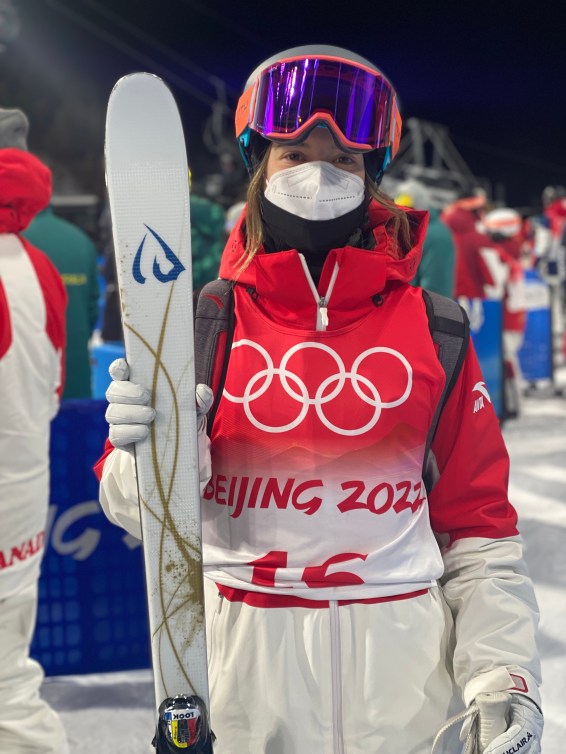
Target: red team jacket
32, 344
472, 271
318, 443
475, 252
514, 308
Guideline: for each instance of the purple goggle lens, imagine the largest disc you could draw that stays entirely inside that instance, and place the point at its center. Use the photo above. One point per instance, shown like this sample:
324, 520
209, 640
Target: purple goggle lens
361, 103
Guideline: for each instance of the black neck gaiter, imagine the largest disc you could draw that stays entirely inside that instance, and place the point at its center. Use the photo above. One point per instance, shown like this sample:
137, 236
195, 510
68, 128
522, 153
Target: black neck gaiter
313, 238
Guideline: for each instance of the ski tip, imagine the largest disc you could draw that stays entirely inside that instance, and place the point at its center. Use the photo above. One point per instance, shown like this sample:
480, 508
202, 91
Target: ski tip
142, 117
138, 76
139, 95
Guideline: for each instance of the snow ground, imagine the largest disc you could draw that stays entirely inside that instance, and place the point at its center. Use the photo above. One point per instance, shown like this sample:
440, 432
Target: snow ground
114, 712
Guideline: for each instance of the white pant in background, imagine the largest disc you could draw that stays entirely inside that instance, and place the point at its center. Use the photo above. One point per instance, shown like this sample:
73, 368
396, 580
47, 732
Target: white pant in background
512, 342
27, 724
354, 679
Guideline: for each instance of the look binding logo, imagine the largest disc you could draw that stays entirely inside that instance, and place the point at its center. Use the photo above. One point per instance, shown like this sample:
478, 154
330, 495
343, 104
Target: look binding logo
164, 277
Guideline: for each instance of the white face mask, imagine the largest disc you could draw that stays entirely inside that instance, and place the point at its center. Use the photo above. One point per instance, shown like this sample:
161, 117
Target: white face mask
315, 191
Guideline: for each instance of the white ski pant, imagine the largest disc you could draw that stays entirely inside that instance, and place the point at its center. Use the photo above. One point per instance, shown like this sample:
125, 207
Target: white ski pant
354, 679
27, 724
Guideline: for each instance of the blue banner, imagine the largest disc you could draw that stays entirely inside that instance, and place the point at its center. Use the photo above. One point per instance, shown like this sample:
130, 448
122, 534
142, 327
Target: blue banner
101, 357
92, 614
535, 355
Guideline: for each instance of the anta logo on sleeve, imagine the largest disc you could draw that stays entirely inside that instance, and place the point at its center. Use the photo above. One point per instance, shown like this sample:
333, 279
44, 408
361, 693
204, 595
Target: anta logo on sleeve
479, 402
164, 277
283, 384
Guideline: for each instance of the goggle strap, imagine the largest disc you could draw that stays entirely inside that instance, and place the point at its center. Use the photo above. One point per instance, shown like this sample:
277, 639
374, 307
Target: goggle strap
243, 115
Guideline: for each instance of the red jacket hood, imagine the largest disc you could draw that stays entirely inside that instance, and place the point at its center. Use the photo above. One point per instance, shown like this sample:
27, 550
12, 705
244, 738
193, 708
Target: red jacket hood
556, 214
459, 220
372, 268
25, 189
556, 208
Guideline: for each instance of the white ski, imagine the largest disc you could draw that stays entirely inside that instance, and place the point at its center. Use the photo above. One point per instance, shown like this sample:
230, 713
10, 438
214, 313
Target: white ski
147, 179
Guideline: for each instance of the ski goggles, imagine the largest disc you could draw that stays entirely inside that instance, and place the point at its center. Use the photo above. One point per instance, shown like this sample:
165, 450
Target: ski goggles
288, 98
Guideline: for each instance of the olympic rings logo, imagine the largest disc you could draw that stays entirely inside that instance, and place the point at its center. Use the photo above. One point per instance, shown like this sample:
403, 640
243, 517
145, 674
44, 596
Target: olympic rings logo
297, 390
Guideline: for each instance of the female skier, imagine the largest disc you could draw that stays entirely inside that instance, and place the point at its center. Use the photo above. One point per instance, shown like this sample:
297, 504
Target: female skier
348, 611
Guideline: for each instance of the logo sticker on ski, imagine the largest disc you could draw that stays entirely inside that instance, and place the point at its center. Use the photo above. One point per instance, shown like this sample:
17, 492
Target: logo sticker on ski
174, 272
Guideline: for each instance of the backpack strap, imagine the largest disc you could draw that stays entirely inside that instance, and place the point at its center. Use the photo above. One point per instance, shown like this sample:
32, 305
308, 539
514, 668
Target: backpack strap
214, 331
450, 330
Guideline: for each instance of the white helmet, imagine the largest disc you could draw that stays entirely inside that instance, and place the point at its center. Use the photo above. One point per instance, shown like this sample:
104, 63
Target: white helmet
319, 85
503, 222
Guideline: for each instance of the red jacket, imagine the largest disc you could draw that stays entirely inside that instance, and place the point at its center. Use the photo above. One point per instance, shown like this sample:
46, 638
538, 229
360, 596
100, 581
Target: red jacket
316, 491
514, 300
472, 272
317, 446
32, 344
318, 443
556, 214
25, 190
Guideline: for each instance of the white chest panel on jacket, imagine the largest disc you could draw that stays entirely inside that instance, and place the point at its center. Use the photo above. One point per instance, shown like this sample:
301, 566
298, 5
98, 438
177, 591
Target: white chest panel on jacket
29, 371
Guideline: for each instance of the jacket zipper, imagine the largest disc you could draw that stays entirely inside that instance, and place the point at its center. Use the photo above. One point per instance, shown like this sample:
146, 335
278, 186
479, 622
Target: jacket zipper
336, 671
321, 301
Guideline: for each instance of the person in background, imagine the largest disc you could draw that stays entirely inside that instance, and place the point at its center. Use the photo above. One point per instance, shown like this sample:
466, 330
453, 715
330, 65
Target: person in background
111, 328
436, 270
349, 607
483, 273
207, 238
474, 278
32, 347
75, 256
554, 209
504, 226
232, 216
552, 263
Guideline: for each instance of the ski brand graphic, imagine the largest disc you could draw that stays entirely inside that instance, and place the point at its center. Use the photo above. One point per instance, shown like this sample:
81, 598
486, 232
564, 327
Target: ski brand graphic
480, 387
168, 277
328, 390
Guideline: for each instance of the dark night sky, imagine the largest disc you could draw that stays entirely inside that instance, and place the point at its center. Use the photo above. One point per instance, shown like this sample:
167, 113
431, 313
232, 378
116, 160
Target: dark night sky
494, 75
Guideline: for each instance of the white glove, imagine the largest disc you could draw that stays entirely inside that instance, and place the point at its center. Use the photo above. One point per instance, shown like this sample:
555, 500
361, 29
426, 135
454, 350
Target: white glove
128, 414
129, 418
205, 399
503, 723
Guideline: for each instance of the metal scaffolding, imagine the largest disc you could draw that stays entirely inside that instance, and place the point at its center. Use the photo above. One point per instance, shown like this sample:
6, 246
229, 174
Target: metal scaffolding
428, 154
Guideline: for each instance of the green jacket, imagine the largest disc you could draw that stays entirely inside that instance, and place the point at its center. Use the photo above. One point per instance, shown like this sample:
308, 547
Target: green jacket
207, 239
75, 256
436, 270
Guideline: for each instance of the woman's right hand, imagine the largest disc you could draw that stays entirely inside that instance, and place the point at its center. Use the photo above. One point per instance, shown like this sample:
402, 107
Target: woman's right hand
130, 418
128, 413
